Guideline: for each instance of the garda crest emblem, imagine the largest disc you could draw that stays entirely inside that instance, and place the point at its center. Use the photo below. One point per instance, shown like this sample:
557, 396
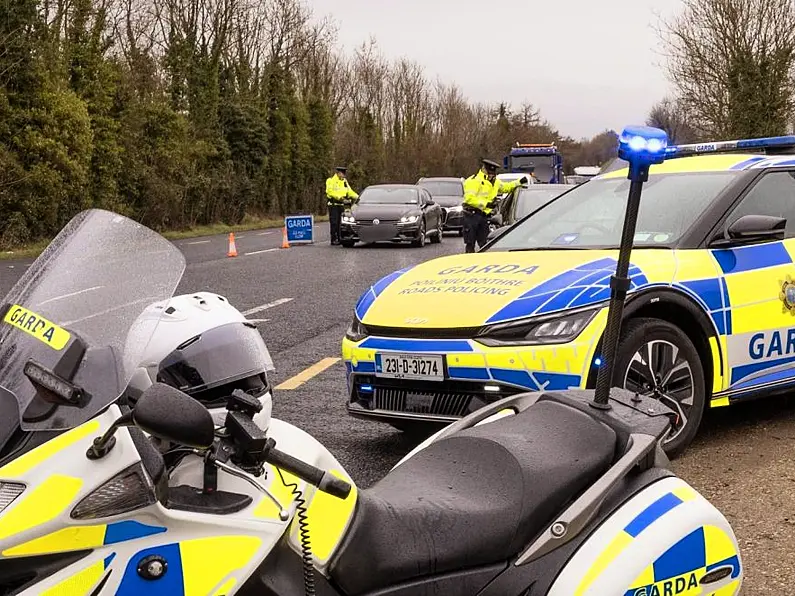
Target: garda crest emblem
787, 295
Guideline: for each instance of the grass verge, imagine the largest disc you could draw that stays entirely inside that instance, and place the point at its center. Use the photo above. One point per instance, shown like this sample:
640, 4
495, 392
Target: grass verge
31, 251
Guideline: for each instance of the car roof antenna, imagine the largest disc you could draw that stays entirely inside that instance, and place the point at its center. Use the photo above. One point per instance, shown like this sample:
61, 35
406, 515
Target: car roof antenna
641, 147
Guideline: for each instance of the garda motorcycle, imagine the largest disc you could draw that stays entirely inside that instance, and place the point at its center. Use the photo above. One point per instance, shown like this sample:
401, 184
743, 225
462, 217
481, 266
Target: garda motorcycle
104, 490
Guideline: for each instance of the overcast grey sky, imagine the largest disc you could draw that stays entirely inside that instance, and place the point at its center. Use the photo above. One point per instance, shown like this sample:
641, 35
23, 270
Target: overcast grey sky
587, 65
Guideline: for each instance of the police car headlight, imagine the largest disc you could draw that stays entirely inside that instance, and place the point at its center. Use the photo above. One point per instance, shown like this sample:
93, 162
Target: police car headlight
555, 330
356, 331
409, 218
348, 219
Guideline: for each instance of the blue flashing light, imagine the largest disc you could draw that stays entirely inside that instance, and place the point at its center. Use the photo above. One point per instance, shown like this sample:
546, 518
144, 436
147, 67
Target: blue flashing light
598, 362
642, 146
729, 146
366, 388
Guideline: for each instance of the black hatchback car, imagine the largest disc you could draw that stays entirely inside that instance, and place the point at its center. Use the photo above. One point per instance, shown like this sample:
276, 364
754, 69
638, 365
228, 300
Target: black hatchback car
392, 213
449, 193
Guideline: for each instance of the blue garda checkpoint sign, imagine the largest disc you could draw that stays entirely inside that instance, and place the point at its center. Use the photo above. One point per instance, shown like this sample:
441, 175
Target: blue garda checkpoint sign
300, 229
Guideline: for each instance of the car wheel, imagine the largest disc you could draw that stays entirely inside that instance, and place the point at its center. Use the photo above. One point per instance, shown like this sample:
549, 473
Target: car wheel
437, 237
348, 243
658, 360
420, 240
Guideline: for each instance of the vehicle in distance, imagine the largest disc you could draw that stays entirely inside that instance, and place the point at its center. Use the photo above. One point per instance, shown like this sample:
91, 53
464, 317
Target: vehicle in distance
449, 194
523, 201
392, 213
709, 319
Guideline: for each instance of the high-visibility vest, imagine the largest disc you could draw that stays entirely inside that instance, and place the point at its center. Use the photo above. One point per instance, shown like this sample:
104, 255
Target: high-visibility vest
479, 193
337, 190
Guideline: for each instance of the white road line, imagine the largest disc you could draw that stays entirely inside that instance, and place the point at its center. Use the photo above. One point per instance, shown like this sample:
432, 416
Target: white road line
264, 233
257, 321
70, 295
259, 252
199, 242
262, 307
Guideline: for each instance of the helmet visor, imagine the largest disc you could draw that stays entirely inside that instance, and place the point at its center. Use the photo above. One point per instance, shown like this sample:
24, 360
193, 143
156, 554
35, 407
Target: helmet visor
218, 356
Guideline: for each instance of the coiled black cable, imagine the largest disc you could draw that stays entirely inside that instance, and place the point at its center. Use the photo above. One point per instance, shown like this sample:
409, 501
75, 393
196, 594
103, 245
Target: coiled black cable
303, 531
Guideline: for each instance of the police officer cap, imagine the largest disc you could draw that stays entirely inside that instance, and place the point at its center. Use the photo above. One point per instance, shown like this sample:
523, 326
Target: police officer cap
342, 169
490, 165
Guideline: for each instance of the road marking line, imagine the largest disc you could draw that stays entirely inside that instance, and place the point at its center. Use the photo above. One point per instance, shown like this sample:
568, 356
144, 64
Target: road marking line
264, 233
308, 373
70, 295
199, 242
262, 307
257, 321
258, 252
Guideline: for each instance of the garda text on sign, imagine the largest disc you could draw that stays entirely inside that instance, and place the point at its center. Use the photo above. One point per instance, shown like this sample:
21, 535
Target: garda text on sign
300, 229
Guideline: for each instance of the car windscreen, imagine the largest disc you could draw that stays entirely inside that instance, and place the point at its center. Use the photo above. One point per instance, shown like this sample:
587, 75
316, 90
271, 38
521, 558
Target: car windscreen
405, 196
443, 189
528, 201
592, 215
70, 315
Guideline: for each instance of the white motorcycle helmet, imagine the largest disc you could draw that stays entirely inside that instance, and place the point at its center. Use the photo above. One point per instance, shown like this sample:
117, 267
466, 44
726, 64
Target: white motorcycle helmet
204, 346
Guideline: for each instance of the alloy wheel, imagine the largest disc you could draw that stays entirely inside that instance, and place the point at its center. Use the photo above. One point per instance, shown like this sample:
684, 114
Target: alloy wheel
657, 370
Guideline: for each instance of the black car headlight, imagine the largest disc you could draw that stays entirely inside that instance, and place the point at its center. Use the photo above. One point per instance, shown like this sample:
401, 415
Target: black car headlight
550, 330
356, 331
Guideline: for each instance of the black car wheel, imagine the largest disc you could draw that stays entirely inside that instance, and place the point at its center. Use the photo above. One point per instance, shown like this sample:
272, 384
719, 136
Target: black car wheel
437, 237
658, 360
419, 241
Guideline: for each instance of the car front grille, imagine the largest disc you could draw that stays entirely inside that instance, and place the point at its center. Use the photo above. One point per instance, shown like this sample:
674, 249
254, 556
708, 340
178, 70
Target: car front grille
429, 333
437, 403
381, 222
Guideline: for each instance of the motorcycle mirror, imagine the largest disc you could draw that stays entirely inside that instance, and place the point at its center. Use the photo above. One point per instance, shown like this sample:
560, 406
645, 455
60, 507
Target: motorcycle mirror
169, 414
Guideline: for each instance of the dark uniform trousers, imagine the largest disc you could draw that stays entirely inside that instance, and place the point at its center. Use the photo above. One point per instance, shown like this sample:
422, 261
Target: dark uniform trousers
476, 228
335, 211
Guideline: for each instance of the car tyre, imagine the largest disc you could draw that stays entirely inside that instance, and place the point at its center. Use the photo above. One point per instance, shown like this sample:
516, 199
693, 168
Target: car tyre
678, 379
419, 241
347, 243
437, 237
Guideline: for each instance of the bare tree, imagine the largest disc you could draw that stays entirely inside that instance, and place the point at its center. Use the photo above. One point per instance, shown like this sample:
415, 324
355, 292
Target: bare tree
669, 116
731, 62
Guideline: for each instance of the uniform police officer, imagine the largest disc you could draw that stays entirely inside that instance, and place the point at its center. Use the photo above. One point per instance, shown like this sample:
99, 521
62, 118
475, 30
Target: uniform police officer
480, 191
339, 195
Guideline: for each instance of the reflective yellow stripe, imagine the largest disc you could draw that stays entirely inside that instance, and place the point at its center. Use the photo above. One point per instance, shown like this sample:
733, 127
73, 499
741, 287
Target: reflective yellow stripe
67, 539
42, 504
80, 584
208, 561
25, 463
717, 377
226, 588
719, 402
609, 554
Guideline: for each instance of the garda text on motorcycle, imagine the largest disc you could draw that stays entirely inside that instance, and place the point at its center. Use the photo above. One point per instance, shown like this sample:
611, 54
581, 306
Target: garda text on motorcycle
555, 493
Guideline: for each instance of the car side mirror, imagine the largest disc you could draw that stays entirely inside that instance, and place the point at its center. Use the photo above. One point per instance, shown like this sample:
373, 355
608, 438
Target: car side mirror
751, 228
496, 233
169, 414
430, 202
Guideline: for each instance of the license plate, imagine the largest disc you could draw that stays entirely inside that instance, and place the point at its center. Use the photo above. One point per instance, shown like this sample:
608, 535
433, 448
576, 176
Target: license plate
410, 366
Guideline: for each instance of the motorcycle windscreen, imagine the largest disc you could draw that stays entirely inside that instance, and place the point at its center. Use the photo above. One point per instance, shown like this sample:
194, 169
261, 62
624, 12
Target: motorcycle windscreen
68, 317
216, 357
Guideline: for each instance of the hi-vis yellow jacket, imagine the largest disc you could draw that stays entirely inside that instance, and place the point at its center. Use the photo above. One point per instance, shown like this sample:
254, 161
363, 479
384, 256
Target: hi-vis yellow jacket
337, 190
479, 192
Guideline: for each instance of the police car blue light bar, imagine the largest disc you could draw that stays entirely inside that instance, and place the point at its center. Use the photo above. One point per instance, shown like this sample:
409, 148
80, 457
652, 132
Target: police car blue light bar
643, 143
783, 142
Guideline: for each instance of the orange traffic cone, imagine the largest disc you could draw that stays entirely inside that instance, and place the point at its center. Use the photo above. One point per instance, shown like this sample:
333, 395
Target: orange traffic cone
232, 252
285, 243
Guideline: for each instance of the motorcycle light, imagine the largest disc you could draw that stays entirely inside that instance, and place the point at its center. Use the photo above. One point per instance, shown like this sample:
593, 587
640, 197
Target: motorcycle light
557, 330
356, 331
129, 490
9, 491
409, 218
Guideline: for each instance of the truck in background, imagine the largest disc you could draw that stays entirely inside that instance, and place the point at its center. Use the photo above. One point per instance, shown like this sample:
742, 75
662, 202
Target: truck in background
543, 160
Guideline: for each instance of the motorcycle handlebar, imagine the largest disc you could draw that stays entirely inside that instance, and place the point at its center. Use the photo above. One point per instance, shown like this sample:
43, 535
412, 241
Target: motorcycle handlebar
315, 476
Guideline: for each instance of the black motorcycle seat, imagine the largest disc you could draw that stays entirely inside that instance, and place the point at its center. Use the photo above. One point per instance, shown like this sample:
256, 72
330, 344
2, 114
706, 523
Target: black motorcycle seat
472, 499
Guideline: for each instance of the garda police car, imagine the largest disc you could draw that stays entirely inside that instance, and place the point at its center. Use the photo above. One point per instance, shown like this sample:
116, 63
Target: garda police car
709, 318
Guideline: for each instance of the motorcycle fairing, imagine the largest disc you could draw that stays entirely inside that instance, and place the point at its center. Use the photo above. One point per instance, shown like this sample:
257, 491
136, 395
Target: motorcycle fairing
682, 537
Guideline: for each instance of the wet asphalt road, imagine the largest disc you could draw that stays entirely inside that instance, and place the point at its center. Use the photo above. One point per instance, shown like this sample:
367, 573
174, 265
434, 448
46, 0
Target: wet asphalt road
743, 459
